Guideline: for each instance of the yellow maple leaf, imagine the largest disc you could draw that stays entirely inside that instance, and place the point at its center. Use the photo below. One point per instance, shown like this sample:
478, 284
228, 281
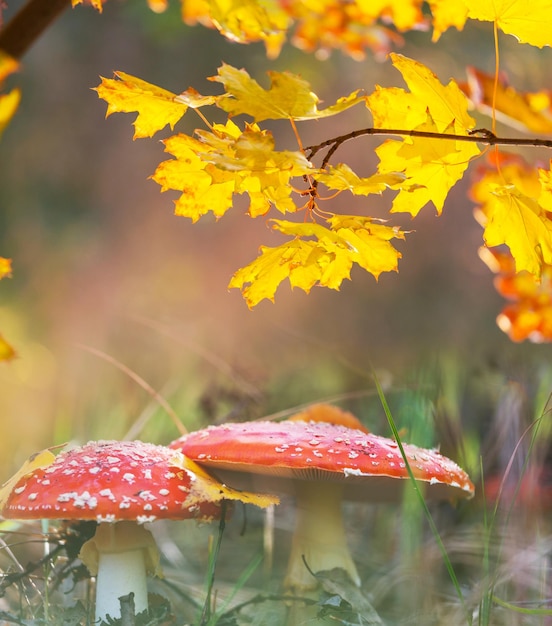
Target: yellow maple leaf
431, 168
447, 13
342, 177
545, 181
210, 169
242, 21
503, 169
203, 188
529, 22
515, 208
326, 261
395, 108
156, 107
522, 224
289, 96
446, 103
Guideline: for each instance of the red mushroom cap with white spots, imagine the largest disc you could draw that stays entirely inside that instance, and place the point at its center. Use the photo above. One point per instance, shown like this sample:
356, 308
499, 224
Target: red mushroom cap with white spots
109, 481
367, 465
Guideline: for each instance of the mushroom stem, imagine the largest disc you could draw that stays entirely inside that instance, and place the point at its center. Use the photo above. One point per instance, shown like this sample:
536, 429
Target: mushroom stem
120, 555
119, 575
319, 537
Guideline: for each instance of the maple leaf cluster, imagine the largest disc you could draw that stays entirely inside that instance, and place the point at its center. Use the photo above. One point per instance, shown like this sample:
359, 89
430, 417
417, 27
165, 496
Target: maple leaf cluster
433, 141
210, 168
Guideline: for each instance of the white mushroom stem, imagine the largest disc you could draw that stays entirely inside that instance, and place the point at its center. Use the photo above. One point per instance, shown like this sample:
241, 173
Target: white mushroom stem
319, 537
120, 556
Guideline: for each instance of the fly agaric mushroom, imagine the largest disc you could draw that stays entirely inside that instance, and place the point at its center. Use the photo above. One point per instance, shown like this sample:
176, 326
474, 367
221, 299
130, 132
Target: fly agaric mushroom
321, 464
121, 485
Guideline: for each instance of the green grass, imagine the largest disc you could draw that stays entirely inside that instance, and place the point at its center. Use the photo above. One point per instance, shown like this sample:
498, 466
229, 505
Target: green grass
482, 563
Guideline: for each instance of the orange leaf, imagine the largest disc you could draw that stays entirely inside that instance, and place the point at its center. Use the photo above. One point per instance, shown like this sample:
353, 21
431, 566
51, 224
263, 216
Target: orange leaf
529, 315
526, 111
5, 268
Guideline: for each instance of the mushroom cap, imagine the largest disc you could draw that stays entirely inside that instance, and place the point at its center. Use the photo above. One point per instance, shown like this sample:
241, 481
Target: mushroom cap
109, 481
367, 465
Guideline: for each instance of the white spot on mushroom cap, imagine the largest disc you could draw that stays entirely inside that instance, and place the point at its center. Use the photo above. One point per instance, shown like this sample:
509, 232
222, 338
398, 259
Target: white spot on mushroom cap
77, 484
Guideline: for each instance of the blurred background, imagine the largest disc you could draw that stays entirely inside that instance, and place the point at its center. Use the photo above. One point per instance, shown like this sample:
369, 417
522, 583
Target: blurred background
108, 283
101, 262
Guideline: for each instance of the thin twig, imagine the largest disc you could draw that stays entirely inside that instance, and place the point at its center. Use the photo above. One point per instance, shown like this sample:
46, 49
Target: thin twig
480, 135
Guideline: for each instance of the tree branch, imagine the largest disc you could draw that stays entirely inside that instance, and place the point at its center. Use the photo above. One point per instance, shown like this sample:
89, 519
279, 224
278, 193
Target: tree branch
480, 135
25, 27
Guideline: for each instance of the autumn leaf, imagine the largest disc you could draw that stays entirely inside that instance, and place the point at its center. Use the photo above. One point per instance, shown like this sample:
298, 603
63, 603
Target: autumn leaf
242, 21
447, 13
289, 97
314, 26
529, 22
529, 313
326, 261
97, 4
209, 170
156, 107
514, 201
5, 268
430, 167
8, 101
207, 488
519, 222
41, 459
342, 177
447, 105
352, 27
203, 187
525, 111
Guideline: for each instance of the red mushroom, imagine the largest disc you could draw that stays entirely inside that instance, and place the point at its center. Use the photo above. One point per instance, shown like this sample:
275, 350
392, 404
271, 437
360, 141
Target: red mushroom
321, 464
121, 485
